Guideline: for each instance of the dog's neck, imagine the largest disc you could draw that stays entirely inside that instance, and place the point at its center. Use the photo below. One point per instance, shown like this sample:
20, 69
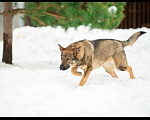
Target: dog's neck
80, 61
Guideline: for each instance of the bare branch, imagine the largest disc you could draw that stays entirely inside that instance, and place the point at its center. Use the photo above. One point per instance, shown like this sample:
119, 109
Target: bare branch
1, 13
15, 11
21, 11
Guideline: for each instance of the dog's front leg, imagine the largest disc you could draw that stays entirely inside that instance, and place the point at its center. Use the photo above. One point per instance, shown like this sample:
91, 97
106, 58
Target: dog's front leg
74, 71
85, 76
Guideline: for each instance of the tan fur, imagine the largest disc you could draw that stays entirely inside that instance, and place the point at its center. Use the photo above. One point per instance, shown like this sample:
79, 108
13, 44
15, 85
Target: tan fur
109, 67
74, 71
91, 54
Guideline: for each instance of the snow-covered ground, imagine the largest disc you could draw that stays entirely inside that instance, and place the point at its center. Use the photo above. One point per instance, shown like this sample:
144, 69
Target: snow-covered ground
34, 85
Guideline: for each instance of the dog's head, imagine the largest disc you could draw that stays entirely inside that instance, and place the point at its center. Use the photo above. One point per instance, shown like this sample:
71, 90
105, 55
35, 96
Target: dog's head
69, 56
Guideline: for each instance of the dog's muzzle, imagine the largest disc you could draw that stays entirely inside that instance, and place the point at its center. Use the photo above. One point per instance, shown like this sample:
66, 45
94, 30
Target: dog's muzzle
64, 67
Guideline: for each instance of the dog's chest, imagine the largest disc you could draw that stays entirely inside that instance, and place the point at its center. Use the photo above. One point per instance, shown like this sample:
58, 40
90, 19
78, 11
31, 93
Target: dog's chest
97, 64
83, 67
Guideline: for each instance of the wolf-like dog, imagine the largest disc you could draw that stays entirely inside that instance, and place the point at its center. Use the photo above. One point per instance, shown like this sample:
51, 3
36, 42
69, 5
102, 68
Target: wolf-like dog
91, 54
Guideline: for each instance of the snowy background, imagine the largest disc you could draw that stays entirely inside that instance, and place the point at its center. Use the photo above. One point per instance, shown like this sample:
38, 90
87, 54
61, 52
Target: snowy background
34, 85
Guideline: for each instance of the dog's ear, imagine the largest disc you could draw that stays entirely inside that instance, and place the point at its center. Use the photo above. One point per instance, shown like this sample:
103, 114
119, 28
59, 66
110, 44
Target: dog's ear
77, 50
61, 48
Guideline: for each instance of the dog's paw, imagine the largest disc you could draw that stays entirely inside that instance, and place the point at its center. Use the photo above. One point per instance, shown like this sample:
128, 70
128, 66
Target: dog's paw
79, 74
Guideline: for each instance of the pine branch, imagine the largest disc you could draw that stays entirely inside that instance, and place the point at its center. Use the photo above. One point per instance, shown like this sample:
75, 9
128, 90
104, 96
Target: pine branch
49, 6
56, 7
58, 16
54, 15
42, 23
22, 11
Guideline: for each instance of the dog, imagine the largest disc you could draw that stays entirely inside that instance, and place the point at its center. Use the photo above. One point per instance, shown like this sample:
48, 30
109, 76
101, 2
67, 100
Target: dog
91, 54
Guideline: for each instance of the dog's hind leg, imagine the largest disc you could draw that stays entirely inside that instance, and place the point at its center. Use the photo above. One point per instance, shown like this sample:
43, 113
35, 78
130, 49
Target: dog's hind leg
109, 68
74, 71
121, 63
129, 69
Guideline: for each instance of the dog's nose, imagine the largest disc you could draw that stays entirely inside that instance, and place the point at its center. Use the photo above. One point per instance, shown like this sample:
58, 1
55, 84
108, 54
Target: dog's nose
61, 67
64, 67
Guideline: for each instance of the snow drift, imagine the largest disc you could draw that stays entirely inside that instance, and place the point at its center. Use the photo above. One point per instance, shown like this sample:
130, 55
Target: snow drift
34, 85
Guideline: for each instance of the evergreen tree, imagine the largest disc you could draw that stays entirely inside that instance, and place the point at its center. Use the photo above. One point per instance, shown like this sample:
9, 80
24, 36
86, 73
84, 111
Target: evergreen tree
103, 15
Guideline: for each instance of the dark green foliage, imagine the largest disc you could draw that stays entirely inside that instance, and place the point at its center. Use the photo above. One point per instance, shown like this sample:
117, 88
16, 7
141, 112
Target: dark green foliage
74, 14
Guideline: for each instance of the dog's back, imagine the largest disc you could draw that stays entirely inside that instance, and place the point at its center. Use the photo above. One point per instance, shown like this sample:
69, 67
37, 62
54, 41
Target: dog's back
104, 48
108, 49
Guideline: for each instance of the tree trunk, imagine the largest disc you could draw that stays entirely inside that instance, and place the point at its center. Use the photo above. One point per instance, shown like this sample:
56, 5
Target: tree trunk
27, 20
7, 35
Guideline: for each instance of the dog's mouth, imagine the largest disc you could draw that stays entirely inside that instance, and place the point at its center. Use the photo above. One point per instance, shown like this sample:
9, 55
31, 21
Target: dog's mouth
64, 67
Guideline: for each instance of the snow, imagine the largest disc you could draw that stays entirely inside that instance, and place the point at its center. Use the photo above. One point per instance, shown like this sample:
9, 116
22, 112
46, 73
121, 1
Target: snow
34, 85
112, 10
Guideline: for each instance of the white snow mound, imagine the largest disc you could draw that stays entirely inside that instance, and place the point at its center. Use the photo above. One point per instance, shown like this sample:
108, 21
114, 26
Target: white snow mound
34, 85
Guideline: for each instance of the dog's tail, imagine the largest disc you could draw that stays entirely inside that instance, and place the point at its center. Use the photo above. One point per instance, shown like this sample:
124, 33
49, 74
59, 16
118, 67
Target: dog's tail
132, 39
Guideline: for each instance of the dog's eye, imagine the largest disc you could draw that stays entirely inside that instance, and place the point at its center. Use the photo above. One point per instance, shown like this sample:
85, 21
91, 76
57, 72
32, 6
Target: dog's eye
62, 58
68, 59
